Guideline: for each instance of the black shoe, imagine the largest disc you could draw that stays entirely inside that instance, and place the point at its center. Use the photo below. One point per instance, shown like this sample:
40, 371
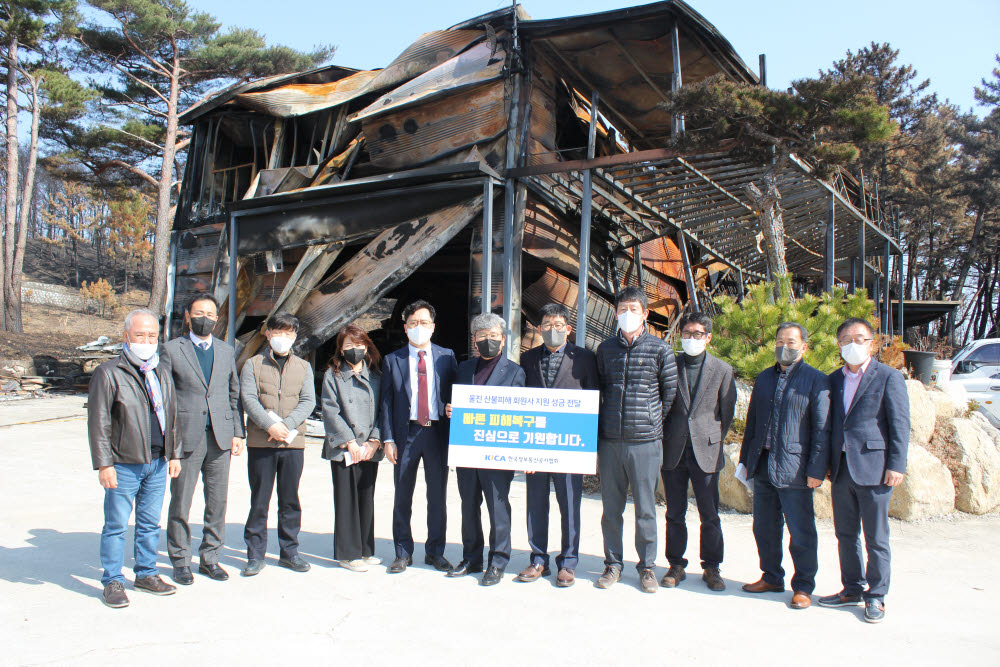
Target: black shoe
874, 611
400, 564
296, 563
440, 563
214, 571
154, 585
183, 576
114, 595
464, 568
840, 599
492, 577
254, 566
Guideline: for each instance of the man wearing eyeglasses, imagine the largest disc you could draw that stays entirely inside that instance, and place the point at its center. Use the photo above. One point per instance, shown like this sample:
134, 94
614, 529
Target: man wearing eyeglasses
556, 364
693, 434
870, 435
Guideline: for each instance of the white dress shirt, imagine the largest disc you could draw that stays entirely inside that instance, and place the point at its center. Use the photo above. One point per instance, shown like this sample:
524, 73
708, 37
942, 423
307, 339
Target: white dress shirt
203, 344
414, 383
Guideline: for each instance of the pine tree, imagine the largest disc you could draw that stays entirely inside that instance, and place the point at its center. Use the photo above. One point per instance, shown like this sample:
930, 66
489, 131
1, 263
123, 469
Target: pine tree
155, 58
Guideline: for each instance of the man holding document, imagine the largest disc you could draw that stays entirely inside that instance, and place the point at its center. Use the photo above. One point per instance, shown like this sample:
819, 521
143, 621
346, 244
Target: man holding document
278, 394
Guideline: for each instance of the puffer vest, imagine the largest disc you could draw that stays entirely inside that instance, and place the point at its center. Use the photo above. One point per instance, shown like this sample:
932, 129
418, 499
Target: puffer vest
278, 391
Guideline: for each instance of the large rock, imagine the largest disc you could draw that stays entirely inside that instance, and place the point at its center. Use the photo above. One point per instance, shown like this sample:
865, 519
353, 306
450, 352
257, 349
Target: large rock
822, 501
921, 413
732, 493
959, 394
970, 451
927, 490
743, 391
945, 406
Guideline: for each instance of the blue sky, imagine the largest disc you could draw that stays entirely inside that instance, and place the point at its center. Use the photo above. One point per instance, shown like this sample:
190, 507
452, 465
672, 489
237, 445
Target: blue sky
953, 43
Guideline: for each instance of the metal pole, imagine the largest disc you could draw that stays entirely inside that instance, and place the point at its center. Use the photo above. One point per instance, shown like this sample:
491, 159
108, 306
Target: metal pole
741, 288
762, 64
886, 325
861, 255
899, 287
676, 124
168, 307
829, 249
486, 300
233, 268
587, 201
688, 274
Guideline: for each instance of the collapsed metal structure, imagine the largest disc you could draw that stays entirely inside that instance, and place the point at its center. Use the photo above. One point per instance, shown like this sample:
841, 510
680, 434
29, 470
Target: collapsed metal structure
524, 160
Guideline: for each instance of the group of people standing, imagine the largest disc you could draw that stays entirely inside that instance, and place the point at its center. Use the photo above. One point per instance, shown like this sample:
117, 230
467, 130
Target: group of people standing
178, 412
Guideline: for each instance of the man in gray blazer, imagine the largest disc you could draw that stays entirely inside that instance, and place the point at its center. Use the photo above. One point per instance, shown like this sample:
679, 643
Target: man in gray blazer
210, 426
869, 439
693, 433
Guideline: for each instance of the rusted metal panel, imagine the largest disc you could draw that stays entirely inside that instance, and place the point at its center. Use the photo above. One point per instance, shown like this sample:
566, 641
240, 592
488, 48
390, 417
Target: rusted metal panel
284, 179
418, 135
381, 265
476, 66
430, 50
271, 287
297, 99
663, 256
553, 287
556, 242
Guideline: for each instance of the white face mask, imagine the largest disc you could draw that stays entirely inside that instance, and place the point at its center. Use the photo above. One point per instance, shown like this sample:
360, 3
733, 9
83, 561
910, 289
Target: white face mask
693, 347
854, 354
419, 335
143, 350
629, 322
281, 344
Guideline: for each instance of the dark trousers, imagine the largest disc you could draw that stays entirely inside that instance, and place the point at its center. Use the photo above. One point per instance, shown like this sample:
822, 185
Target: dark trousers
773, 508
212, 463
264, 466
353, 509
623, 465
475, 485
569, 492
706, 495
855, 508
422, 442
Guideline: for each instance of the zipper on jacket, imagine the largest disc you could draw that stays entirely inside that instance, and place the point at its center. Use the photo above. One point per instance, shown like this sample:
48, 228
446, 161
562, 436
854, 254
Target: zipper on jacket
628, 355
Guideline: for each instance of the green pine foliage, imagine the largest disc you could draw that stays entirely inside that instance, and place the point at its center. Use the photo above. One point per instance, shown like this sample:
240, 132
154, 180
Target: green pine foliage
743, 334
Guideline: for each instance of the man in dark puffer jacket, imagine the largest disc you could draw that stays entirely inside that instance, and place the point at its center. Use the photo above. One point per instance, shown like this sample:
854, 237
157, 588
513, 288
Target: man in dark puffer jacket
638, 381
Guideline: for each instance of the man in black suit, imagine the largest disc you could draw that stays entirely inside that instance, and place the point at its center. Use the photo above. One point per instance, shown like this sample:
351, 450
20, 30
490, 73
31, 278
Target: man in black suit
492, 369
869, 439
416, 387
693, 434
556, 364
786, 454
211, 431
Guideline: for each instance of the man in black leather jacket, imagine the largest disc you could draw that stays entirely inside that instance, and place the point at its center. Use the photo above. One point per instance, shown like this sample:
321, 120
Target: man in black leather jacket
638, 382
131, 417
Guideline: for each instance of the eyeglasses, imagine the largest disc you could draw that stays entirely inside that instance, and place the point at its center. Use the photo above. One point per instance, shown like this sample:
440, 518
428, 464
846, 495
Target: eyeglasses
419, 323
550, 327
860, 340
696, 335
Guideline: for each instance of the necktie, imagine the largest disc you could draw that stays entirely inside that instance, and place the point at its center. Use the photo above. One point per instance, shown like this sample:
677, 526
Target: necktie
423, 404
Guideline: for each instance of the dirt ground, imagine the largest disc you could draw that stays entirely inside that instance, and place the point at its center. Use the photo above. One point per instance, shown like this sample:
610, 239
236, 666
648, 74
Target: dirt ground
56, 332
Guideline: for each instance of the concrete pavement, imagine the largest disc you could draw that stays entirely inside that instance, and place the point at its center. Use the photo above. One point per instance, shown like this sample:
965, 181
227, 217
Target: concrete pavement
942, 606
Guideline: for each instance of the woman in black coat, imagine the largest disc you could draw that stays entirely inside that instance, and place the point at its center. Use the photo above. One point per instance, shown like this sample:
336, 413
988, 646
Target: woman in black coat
350, 404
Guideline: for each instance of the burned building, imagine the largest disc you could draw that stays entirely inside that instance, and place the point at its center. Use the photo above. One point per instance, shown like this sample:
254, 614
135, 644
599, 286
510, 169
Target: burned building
527, 161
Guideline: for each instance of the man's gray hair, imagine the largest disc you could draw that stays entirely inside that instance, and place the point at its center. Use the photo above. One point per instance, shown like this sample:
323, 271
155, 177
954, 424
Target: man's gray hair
135, 313
793, 325
487, 321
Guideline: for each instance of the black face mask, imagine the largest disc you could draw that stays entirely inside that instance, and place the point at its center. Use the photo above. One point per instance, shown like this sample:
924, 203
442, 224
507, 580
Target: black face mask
354, 355
202, 326
488, 348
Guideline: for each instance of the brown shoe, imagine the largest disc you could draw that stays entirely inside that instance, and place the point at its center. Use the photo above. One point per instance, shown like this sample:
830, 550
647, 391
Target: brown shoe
647, 581
532, 573
761, 586
674, 576
612, 575
565, 578
712, 579
800, 600
154, 585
